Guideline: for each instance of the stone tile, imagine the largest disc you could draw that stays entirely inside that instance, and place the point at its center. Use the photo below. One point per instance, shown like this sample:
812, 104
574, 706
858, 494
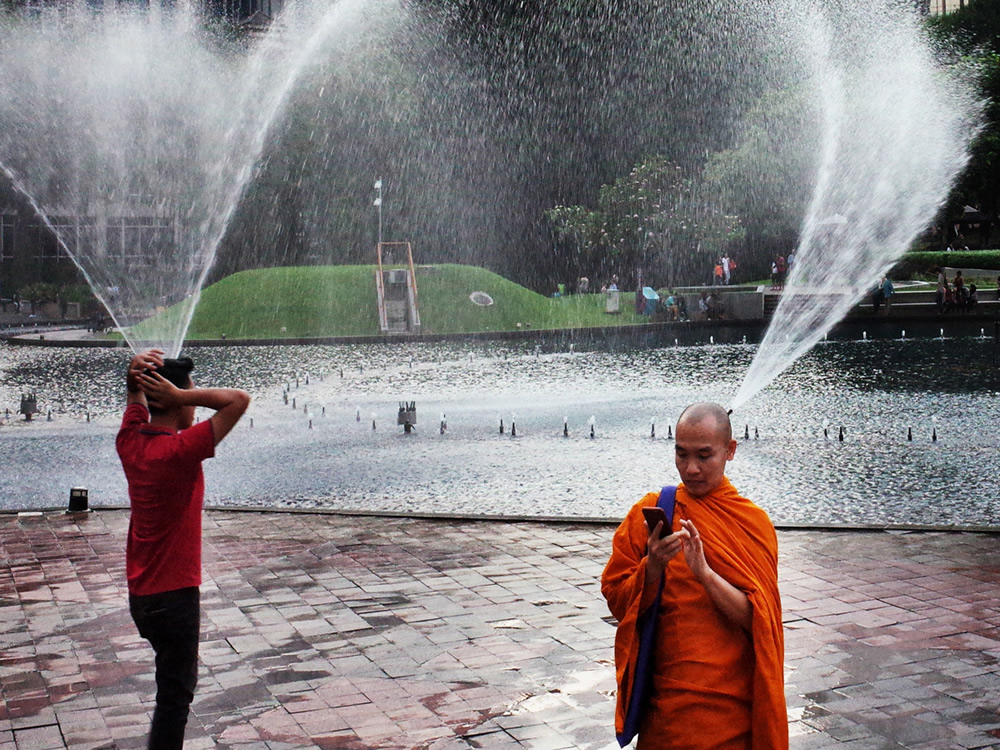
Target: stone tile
323, 632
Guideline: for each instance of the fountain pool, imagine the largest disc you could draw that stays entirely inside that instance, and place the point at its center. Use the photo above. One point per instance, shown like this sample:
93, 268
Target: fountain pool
876, 389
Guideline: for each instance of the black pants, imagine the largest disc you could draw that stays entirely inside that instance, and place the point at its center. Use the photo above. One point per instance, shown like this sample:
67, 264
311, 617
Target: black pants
170, 622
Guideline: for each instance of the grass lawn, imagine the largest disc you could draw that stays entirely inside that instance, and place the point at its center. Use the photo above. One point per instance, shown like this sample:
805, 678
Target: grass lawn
445, 306
315, 301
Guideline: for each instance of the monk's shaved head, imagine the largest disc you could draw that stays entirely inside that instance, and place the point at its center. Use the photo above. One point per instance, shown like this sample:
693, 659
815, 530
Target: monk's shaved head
707, 411
703, 445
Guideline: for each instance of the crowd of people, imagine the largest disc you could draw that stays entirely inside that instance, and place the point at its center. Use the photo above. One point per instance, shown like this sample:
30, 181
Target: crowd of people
709, 307
956, 294
722, 273
882, 294
952, 294
780, 267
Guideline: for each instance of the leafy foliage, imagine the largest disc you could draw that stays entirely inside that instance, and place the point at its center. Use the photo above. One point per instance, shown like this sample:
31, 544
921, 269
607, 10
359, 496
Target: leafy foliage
40, 291
767, 176
926, 263
975, 32
656, 219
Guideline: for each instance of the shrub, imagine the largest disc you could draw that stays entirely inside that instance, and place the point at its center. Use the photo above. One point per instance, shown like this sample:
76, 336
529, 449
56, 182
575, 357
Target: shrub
40, 291
926, 263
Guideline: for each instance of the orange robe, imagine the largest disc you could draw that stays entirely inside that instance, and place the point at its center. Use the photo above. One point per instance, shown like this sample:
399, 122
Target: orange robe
714, 685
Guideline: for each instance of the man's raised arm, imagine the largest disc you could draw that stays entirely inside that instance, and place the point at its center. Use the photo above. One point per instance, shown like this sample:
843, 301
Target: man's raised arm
147, 360
229, 403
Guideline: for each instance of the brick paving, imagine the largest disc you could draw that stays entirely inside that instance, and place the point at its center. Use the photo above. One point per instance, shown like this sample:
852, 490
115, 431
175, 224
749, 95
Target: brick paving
333, 631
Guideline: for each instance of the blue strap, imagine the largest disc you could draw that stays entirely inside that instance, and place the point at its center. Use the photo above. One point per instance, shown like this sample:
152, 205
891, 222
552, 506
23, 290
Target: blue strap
667, 500
647, 637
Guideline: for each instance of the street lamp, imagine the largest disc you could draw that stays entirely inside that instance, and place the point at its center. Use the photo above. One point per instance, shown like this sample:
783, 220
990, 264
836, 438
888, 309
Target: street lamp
378, 205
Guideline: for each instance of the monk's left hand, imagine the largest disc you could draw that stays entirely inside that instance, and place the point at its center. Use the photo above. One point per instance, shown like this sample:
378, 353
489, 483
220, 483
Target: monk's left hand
694, 552
731, 601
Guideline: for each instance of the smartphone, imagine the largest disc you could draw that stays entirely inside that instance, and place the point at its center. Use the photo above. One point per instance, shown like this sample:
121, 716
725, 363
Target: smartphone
653, 515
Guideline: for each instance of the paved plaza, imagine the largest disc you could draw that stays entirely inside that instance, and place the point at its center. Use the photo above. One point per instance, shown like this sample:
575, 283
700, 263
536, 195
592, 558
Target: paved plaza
336, 631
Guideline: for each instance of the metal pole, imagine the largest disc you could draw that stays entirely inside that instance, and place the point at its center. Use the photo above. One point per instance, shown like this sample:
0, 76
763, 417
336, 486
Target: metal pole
378, 204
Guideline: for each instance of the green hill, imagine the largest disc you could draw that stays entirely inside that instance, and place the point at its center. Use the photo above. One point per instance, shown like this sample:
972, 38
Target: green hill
317, 301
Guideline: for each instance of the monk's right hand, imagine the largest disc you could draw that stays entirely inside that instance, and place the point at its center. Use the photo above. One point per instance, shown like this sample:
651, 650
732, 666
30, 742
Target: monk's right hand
660, 551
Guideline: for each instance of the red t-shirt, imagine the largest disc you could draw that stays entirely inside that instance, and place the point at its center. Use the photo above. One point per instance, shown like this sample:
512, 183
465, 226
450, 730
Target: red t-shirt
166, 490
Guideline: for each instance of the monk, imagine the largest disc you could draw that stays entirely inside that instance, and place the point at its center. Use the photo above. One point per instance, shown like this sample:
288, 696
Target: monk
719, 652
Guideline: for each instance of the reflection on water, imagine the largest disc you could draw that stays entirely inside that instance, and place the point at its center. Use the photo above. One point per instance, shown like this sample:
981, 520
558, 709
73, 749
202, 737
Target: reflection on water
876, 390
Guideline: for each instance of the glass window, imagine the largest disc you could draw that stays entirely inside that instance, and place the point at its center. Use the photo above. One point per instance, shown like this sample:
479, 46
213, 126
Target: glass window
7, 222
140, 240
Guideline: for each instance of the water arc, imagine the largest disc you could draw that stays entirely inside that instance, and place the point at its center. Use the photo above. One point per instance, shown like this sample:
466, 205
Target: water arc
133, 137
895, 130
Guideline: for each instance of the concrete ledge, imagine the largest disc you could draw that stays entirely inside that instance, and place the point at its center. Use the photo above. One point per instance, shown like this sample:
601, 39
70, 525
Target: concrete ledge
524, 334
545, 519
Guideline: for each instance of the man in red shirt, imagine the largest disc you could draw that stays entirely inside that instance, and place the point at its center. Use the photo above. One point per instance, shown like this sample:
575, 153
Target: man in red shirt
161, 451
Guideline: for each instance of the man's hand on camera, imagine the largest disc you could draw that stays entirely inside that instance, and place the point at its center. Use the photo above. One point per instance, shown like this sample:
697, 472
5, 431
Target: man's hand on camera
147, 360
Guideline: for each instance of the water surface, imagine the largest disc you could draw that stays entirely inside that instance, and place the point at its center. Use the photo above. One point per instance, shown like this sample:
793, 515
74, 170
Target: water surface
877, 390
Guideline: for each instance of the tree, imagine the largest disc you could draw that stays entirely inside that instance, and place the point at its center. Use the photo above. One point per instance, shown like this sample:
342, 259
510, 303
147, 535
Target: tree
656, 221
974, 31
767, 176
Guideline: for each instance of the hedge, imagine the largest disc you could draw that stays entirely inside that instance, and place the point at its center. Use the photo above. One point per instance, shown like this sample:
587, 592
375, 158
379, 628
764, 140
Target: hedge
925, 263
